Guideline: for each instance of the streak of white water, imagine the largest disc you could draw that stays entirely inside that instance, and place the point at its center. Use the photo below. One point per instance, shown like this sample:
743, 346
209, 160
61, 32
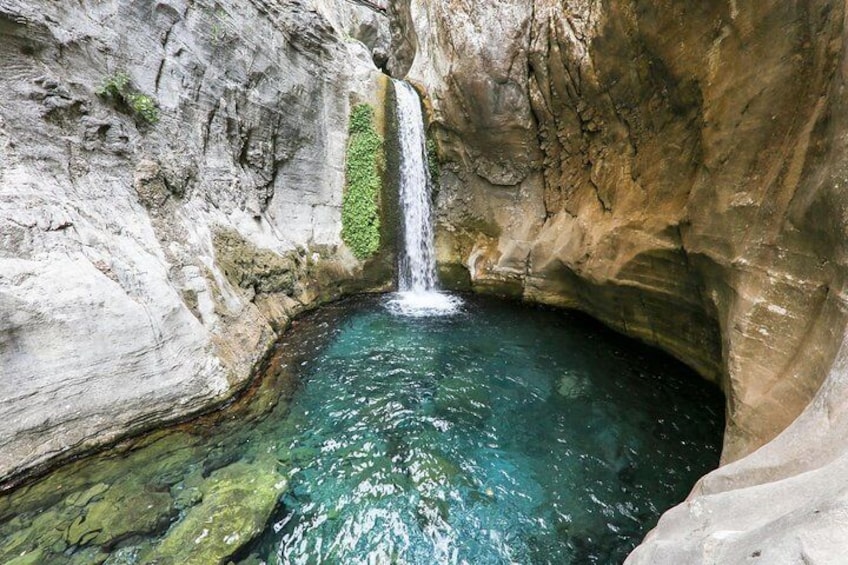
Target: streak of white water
418, 291
417, 262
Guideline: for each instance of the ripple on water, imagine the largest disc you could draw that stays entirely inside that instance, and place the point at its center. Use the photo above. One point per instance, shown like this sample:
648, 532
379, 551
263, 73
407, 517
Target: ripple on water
497, 435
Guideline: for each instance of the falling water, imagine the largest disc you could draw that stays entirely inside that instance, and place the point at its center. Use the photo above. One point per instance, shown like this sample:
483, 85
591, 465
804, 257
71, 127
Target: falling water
419, 295
417, 263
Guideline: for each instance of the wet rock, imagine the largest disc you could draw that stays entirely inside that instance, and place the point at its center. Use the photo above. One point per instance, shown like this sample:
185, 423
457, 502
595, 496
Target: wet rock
124, 556
127, 509
187, 496
85, 497
429, 470
572, 386
34, 557
237, 502
251, 560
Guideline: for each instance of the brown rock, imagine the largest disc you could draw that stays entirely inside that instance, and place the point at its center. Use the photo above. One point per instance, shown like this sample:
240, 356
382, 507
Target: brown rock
686, 184
665, 168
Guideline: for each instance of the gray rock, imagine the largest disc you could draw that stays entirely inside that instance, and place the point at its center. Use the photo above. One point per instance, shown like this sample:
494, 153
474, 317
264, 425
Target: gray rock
114, 311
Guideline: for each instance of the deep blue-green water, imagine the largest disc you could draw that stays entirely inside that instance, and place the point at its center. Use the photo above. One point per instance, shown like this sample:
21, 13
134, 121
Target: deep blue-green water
501, 434
498, 434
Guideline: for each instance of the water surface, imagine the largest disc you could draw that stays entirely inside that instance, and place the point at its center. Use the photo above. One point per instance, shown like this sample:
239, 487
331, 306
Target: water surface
499, 434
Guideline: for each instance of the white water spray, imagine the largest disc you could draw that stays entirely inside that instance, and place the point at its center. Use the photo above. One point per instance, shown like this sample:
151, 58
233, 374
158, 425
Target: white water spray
418, 292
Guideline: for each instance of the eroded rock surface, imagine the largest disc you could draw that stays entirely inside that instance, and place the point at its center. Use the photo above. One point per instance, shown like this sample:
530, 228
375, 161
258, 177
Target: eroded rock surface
677, 170
145, 267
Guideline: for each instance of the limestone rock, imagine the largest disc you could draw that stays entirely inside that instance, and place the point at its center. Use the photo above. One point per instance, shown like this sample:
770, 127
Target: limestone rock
686, 184
237, 502
129, 509
115, 310
617, 166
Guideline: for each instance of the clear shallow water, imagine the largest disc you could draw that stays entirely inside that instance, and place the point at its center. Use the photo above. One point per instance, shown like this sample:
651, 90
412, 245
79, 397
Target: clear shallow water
496, 435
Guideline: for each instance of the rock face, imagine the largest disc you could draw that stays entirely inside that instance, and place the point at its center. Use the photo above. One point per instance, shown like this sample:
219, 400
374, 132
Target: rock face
675, 169
148, 259
678, 171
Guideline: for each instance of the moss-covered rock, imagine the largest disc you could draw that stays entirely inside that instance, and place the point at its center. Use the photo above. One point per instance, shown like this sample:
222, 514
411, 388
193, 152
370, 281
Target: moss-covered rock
84, 497
249, 267
237, 502
126, 509
35, 557
433, 162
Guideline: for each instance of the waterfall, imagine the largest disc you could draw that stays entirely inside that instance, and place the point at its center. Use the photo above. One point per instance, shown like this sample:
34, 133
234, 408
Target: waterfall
418, 294
417, 265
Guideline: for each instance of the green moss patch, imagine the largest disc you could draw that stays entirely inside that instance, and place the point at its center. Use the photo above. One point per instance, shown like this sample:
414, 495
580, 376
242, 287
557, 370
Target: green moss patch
236, 503
360, 206
118, 88
433, 163
249, 267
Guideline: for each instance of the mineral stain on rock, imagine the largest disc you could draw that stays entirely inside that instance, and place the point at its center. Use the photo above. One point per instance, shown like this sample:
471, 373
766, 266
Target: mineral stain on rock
675, 170
250, 268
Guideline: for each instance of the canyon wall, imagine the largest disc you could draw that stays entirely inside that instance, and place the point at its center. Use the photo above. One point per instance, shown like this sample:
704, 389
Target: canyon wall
675, 171
678, 171
171, 178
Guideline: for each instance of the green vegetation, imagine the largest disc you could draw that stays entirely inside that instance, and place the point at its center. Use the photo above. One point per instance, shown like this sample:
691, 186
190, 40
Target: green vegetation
118, 88
360, 214
219, 27
144, 106
433, 161
115, 86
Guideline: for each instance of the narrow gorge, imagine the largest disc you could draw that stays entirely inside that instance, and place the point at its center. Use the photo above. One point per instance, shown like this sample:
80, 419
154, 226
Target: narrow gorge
181, 181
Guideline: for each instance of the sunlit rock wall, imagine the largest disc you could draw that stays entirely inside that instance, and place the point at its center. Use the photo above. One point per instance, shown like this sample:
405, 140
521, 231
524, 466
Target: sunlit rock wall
145, 268
677, 170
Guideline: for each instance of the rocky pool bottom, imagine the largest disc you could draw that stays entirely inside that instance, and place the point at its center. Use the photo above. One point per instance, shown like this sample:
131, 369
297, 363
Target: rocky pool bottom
499, 434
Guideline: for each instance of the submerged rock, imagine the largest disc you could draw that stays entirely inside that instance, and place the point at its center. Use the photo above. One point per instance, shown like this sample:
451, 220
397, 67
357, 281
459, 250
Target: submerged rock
34, 557
572, 386
237, 502
128, 509
463, 400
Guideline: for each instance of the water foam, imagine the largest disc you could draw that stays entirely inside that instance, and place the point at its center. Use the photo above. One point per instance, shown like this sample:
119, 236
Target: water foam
422, 304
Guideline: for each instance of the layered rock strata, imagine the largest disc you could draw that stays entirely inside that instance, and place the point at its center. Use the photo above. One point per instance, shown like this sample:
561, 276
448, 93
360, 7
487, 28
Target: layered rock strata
677, 170
171, 178
673, 170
